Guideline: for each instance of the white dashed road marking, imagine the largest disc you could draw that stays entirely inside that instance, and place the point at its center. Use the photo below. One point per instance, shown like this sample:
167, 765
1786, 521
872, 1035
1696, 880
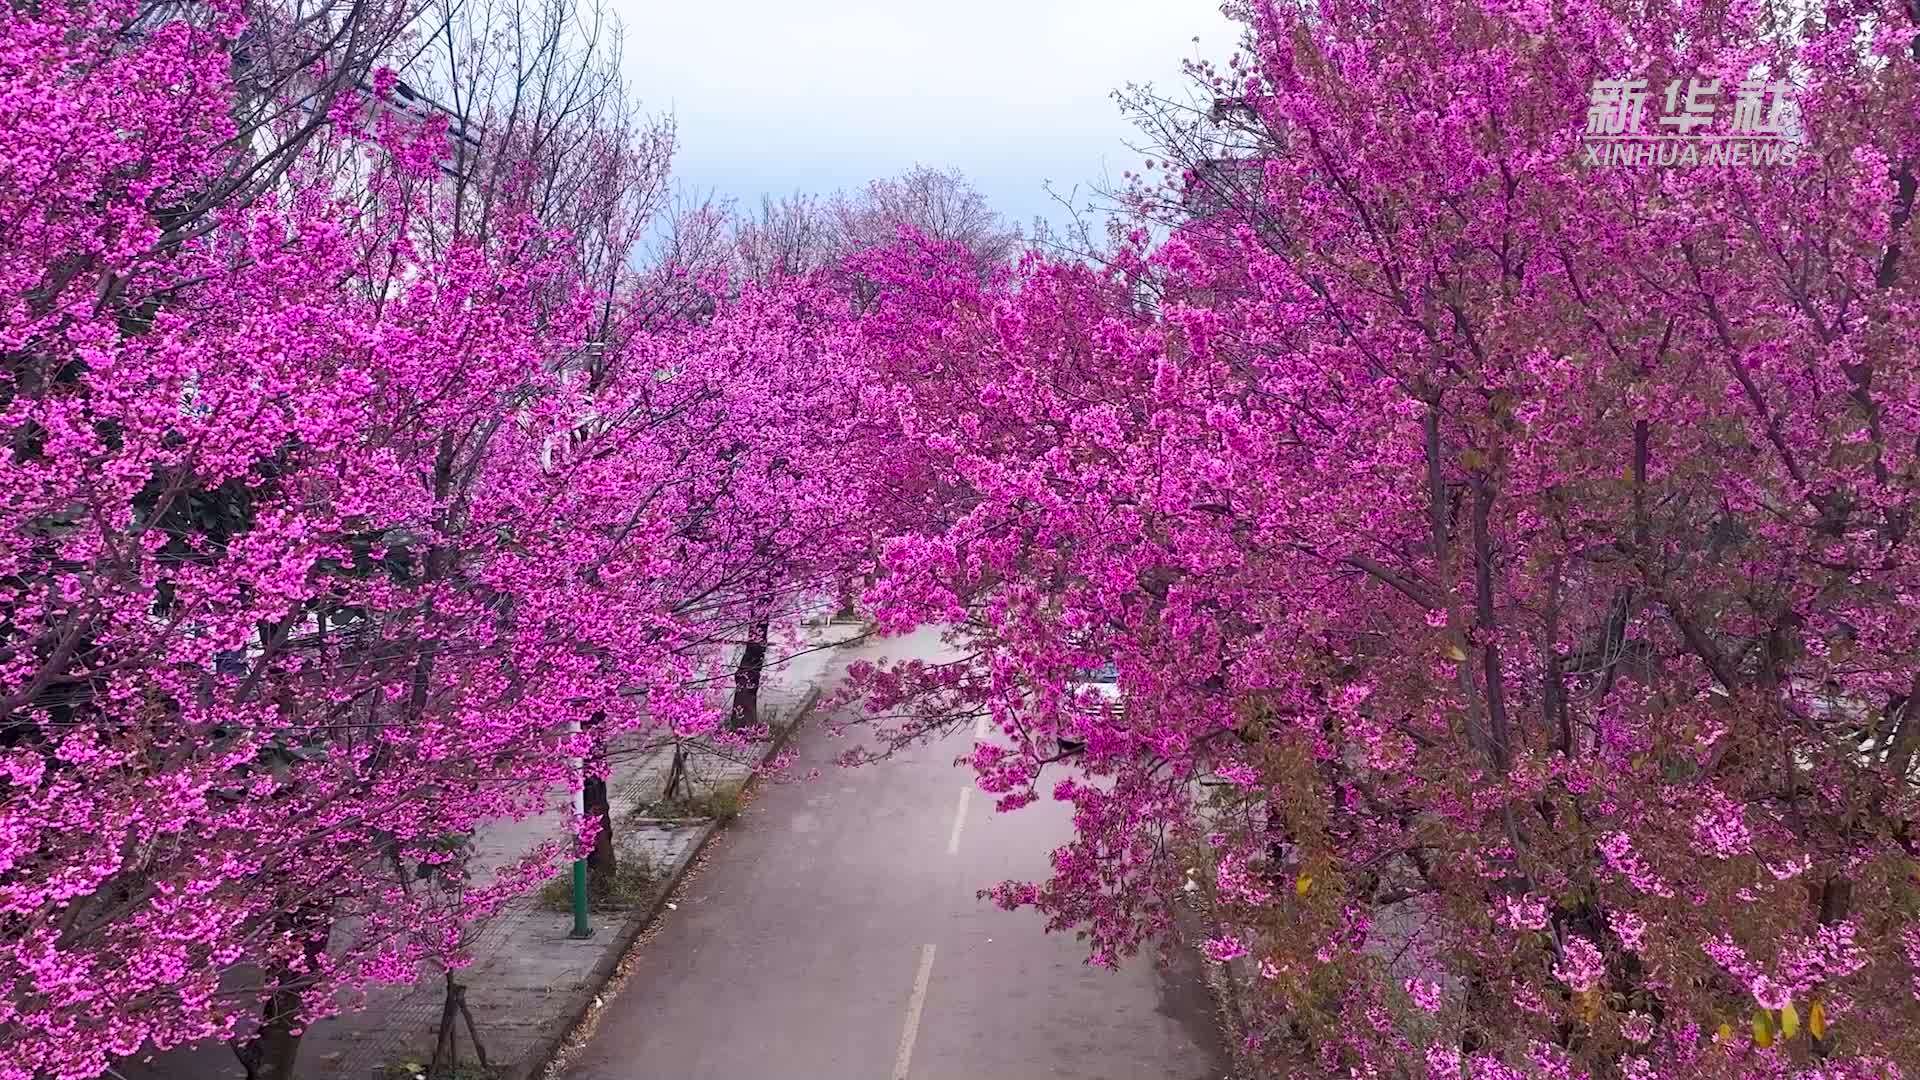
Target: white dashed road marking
904, 1059
959, 819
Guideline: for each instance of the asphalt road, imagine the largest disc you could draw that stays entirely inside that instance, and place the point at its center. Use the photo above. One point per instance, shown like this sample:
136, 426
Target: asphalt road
835, 935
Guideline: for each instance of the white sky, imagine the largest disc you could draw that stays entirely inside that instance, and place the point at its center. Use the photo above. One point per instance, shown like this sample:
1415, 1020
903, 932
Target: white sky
815, 95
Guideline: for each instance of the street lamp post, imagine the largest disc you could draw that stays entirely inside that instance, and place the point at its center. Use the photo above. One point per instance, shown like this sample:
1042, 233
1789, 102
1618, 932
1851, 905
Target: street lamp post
582, 926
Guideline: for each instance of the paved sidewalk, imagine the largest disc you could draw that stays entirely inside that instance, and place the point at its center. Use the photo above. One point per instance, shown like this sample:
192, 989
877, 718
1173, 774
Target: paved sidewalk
527, 973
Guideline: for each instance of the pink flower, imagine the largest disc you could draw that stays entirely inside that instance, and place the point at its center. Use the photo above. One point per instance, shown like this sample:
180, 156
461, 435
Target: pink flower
1720, 828
1629, 927
384, 80
1425, 995
1223, 948
1829, 954
1617, 849
1528, 912
1723, 950
1769, 994
1527, 1000
1234, 881
1910, 944
1791, 868
1582, 967
1491, 1067
1240, 774
1443, 1062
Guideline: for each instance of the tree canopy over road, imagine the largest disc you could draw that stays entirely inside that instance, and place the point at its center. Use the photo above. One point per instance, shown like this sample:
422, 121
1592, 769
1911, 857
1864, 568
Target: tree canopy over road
1507, 560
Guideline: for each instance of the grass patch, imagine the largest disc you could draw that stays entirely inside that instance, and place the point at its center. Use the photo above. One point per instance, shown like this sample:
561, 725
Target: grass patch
416, 1070
634, 880
721, 802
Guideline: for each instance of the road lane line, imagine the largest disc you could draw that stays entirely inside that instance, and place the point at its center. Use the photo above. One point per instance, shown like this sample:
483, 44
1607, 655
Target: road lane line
959, 819
904, 1059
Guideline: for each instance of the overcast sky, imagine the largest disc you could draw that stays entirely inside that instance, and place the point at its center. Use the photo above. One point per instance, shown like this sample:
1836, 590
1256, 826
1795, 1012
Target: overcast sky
814, 95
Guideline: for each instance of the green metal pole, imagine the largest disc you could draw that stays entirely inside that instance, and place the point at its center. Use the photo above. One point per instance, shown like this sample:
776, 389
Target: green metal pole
582, 927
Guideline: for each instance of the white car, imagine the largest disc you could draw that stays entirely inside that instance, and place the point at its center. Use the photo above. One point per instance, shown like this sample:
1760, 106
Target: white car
1102, 683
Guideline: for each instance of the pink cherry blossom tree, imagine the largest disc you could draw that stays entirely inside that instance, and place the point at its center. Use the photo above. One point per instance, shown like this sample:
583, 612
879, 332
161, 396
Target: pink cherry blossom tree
1505, 561
327, 522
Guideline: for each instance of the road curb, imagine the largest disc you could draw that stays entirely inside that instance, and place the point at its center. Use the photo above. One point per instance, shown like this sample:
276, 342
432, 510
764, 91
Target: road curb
577, 1009
1223, 982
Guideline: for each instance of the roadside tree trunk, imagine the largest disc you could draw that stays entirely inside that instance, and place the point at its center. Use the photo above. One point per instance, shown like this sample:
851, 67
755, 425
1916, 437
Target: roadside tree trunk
454, 1014
746, 679
274, 1050
676, 773
602, 861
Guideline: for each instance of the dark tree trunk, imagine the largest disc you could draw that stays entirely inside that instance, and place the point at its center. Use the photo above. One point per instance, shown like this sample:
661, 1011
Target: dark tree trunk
602, 862
274, 1050
746, 679
446, 1048
1836, 903
277, 1047
676, 773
